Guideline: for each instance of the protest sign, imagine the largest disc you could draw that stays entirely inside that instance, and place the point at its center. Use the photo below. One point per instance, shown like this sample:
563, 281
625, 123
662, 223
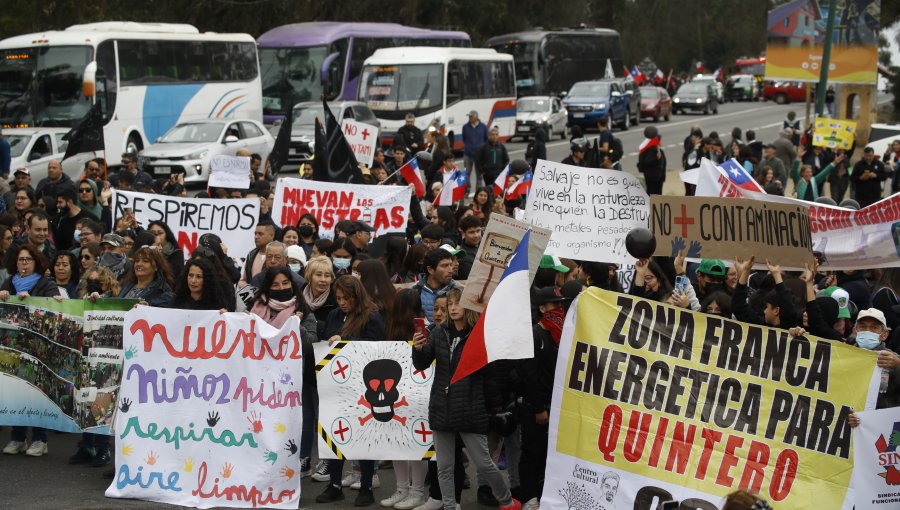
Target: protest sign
498, 242
233, 220
725, 228
61, 362
588, 210
229, 172
209, 411
362, 139
834, 133
385, 208
876, 460
653, 403
373, 403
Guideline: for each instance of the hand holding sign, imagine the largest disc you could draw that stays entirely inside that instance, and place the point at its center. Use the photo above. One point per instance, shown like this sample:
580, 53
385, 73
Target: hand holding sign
229, 172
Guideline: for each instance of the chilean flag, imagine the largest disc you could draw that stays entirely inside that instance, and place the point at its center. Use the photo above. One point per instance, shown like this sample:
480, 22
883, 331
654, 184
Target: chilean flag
454, 188
500, 181
520, 187
504, 329
648, 143
738, 175
637, 74
410, 172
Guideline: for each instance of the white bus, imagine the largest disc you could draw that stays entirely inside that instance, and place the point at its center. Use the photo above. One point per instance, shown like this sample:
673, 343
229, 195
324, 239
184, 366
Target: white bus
147, 77
443, 84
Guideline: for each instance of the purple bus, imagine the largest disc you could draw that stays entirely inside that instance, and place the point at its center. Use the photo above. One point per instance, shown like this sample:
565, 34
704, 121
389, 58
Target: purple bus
303, 60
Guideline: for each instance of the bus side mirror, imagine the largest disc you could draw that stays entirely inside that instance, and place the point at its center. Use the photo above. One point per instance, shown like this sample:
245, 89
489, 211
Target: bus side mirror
90, 79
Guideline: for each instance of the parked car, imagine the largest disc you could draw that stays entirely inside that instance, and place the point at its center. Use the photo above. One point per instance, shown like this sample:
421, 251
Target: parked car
533, 112
634, 100
655, 103
303, 129
695, 97
712, 80
191, 145
589, 101
785, 92
33, 148
741, 87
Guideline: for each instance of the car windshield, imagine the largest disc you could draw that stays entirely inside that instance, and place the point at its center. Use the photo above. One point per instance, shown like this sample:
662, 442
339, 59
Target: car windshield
193, 133
533, 105
693, 88
648, 93
589, 90
306, 115
17, 144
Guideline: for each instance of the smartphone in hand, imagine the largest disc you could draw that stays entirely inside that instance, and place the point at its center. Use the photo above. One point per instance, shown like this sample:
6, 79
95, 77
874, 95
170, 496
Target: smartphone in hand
419, 326
681, 283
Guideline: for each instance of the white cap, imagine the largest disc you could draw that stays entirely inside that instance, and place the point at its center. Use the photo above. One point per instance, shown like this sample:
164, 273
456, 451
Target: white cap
296, 252
873, 313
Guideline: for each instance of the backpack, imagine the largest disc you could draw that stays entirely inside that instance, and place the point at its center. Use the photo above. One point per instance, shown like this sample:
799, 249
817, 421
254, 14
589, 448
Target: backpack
616, 150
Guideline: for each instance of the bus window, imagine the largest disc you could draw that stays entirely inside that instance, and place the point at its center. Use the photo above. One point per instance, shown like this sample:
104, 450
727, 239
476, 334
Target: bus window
106, 67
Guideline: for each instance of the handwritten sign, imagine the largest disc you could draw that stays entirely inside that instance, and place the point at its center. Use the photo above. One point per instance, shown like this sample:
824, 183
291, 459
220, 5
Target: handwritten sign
501, 238
834, 133
233, 220
725, 228
362, 139
229, 171
385, 208
589, 210
60, 362
209, 412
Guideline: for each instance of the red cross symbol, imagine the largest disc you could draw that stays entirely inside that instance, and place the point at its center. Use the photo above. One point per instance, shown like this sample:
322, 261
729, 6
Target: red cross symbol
422, 431
422, 372
341, 430
341, 369
365, 133
683, 220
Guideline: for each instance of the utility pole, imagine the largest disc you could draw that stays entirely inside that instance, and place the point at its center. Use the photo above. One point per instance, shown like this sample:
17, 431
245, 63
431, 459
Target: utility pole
826, 59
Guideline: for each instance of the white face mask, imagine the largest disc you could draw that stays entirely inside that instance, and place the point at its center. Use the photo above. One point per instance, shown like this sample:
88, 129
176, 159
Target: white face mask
296, 267
868, 339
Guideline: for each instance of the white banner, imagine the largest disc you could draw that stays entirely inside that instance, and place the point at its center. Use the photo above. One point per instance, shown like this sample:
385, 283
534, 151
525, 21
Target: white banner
589, 210
209, 411
373, 403
385, 208
229, 172
362, 139
876, 460
233, 220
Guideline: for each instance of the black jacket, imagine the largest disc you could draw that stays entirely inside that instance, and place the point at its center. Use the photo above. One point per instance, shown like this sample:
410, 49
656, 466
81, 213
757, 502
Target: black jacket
492, 159
466, 261
374, 330
411, 135
45, 287
463, 406
652, 163
537, 383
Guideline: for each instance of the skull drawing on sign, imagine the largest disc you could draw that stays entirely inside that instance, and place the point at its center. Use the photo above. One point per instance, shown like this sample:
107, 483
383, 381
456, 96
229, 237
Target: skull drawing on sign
382, 377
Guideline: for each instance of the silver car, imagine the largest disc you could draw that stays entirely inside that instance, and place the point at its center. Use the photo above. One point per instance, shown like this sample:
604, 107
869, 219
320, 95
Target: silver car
540, 111
303, 129
33, 148
191, 145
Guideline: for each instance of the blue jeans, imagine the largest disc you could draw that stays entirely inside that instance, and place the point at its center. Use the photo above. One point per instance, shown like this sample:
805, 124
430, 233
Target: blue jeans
366, 471
310, 417
37, 434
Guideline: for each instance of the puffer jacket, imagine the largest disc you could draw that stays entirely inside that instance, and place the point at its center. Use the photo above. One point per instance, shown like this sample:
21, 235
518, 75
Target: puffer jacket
462, 406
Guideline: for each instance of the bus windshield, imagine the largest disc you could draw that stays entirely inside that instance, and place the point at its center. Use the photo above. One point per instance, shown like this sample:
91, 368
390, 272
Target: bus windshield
403, 88
290, 71
43, 86
194, 132
524, 54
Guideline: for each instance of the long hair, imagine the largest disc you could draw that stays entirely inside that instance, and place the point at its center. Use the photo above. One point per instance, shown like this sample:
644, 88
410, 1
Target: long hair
414, 257
170, 236
266, 288
395, 248
353, 290
407, 307
377, 282
469, 316
446, 219
486, 207
213, 295
156, 257
107, 281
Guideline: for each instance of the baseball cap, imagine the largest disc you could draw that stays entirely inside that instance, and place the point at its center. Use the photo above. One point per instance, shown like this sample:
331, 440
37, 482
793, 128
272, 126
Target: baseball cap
296, 252
712, 267
843, 300
546, 295
357, 225
873, 313
453, 251
473, 112
113, 239
553, 262
22, 170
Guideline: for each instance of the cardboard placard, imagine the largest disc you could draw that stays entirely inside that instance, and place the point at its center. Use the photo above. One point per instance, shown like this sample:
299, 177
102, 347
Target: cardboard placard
229, 172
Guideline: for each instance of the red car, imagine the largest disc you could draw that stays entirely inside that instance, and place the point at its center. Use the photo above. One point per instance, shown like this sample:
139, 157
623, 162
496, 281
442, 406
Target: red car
655, 103
785, 92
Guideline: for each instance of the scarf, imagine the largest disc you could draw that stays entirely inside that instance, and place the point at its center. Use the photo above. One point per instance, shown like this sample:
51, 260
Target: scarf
314, 303
648, 143
25, 283
552, 321
96, 210
275, 313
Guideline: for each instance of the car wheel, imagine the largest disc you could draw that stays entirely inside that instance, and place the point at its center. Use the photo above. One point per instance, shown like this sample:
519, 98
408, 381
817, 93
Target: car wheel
667, 117
549, 132
716, 110
656, 118
627, 122
134, 143
781, 99
637, 119
706, 109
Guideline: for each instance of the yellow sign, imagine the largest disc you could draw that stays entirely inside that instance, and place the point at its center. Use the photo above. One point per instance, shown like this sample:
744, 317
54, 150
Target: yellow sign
668, 403
833, 133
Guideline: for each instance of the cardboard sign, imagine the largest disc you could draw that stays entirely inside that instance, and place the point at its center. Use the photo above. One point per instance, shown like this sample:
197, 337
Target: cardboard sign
209, 410
362, 139
229, 172
499, 241
385, 208
233, 220
725, 228
589, 210
876, 460
834, 133
657, 403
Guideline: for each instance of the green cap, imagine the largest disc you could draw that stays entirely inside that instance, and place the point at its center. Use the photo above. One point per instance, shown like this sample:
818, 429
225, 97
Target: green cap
712, 267
843, 300
453, 251
553, 262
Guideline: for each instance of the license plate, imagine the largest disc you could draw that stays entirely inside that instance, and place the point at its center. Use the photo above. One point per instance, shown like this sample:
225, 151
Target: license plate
578, 115
162, 170
523, 128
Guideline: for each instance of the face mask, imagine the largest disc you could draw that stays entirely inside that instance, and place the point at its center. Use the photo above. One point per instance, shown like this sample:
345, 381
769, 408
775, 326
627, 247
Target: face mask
868, 340
341, 263
76, 236
281, 295
94, 287
296, 267
111, 259
305, 230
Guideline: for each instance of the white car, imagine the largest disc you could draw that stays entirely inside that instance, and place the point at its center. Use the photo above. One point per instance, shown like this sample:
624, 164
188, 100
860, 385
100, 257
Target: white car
33, 148
191, 145
540, 111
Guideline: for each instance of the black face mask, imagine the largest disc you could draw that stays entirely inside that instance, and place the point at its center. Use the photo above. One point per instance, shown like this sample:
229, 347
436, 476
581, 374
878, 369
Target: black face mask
93, 286
281, 295
305, 230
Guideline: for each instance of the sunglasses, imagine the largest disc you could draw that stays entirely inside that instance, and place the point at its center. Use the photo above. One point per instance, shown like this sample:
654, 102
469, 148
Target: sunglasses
85, 190
86, 257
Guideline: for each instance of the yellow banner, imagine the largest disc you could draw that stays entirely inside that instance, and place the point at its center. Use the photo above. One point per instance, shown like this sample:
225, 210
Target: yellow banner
834, 133
654, 401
